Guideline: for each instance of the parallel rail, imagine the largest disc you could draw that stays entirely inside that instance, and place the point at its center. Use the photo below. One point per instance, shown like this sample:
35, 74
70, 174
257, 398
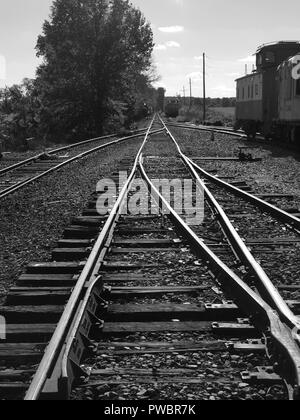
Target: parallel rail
53, 152
89, 273
275, 322
281, 215
264, 284
19, 185
231, 132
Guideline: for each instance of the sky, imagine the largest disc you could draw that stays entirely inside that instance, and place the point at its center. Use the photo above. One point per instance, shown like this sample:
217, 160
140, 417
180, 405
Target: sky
228, 32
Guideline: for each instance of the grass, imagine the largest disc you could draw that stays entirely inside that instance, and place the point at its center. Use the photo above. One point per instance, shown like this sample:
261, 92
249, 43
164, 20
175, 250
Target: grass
194, 114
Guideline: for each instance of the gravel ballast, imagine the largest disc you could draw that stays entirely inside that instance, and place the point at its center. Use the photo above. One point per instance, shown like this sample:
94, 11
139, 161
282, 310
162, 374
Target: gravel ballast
33, 220
278, 172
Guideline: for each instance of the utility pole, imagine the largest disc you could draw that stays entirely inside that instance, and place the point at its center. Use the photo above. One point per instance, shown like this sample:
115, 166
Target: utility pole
190, 92
183, 95
204, 89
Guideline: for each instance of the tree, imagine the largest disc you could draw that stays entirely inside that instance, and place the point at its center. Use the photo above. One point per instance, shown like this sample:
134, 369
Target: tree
19, 113
94, 53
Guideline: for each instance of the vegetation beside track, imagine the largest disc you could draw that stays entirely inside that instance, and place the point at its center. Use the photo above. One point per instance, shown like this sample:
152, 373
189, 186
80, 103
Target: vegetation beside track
96, 74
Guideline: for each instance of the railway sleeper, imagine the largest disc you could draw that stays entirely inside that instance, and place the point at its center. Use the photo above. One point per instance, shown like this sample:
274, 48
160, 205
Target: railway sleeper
89, 221
263, 375
55, 267
81, 232
70, 254
150, 347
146, 243
222, 329
17, 354
38, 296
37, 280
31, 314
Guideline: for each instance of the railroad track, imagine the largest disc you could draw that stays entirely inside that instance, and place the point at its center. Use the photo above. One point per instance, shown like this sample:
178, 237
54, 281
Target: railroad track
23, 173
212, 168
220, 130
179, 310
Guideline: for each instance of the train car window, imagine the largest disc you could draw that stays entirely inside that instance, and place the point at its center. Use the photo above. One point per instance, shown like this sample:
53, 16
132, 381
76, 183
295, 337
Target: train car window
243, 93
238, 93
248, 91
298, 87
259, 59
270, 57
252, 91
256, 90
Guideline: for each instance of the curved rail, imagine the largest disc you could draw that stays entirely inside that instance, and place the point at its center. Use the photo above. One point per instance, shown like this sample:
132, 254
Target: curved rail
61, 149
209, 129
22, 184
276, 212
280, 339
269, 291
264, 205
264, 284
52, 152
54, 348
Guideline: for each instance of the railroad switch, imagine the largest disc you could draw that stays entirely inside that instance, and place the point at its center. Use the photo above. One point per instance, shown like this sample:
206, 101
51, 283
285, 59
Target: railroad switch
248, 346
262, 375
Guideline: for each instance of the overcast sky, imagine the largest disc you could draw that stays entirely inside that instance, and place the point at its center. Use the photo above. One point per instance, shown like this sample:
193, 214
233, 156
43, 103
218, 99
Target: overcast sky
228, 31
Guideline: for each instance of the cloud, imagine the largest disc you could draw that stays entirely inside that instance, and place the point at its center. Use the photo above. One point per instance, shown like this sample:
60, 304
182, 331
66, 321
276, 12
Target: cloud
160, 47
234, 74
172, 44
195, 75
249, 59
169, 44
171, 29
223, 88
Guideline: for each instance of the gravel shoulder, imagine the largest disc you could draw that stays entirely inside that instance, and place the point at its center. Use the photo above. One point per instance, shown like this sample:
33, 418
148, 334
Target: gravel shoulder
278, 171
33, 220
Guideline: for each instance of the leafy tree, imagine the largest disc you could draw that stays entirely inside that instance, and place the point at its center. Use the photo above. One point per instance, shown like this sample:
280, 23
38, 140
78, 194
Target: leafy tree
94, 54
19, 113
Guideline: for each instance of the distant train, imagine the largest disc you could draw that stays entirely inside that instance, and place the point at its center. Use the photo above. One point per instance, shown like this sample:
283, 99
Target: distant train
268, 99
172, 109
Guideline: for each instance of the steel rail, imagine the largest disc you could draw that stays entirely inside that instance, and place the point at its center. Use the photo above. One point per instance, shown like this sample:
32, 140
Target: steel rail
208, 129
282, 344
265, 285
60, 149
22, 184
54, 347
276, 212
51, 152
267, 207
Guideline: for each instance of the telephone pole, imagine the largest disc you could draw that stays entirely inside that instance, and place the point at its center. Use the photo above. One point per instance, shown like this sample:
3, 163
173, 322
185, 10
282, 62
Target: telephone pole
184, 95
190, 92
204, 89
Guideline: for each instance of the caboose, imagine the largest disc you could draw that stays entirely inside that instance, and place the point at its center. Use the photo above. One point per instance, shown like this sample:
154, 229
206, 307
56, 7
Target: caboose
260, 106
287, 125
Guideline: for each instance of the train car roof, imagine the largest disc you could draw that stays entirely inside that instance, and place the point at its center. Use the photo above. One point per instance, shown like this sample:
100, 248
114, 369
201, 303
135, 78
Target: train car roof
277, 43
246, 76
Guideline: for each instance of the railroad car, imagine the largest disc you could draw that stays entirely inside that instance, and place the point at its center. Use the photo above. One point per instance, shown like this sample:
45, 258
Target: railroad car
172, 109
287, 125
264, 104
